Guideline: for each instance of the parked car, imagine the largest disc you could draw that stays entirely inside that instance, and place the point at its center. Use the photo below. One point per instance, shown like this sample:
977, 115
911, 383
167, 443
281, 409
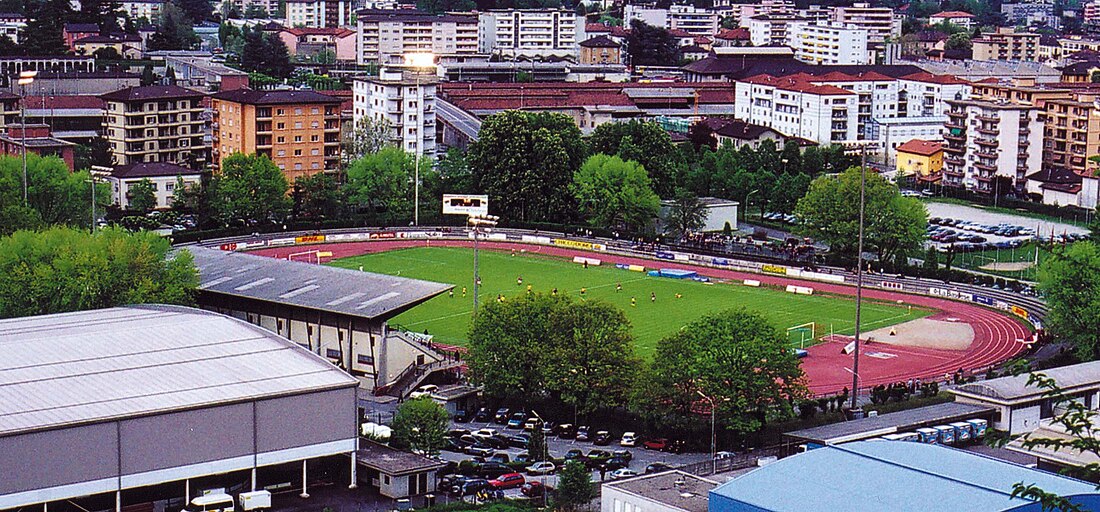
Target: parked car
517, 420
502, 415
451, 444
531, 424
493, 469
446, 482
522, 457
615, 463
596, 457
582, 433
423, 391
484, 434
483, 415
629, 439
659, 444
573, 454
532, 489
519, 441
457, 433
470, 487
623, 454
567, 431
541, 468
498, 457
462, 416
657, 467
478, 451
508, 481
619, 474
602, 438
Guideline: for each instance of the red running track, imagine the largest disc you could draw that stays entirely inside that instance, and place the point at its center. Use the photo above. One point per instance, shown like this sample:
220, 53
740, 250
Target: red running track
996, 334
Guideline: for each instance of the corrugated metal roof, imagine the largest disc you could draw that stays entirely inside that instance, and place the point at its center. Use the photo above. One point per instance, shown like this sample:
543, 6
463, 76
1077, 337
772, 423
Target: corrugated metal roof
889, 475
318, 287
901, 421
1016, 388
90, 366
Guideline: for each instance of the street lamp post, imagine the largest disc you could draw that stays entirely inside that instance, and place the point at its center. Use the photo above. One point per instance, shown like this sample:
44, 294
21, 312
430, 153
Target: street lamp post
419, 62
25, 78
745, 215
859, 285
95, 174
713, 435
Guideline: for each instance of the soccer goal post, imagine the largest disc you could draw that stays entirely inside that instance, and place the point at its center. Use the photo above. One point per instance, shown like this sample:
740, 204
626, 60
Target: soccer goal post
802, 333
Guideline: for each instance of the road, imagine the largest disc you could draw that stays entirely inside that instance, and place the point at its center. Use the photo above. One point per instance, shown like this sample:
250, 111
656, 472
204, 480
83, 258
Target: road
459, 119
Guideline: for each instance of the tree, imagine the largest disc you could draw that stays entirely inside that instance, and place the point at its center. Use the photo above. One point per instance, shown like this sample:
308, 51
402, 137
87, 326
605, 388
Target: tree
575, 488
107, 53
147, 76
421, 426
318, 197
255, 11
615, 194
142, 197
830, 212
16, 217
652, 46
1070, 282
442, 6
366, 136
687, 214
196, 199
525, 162
536, 446
701, 136
959, 41
265, 53
735, 358
8, 48
382, 182
197, 11
230, 11
59, 196
104, 13
96, 152
63, 269
42, 35
174, 32
644, 142
250, 189
932, 259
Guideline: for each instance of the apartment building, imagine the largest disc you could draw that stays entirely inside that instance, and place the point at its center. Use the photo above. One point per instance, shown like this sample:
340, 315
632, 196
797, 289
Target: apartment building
156, 123
743, 12
9, 108
693, 20
959, 18
1072, 133
405, 101
831, 43
163, 176
1091, 13
531, 33
148, 9
384, 36
992, 145
771, 29
1007, 44
797, 107
1022, 91
881, 23
298, 130
320, 13
600, 50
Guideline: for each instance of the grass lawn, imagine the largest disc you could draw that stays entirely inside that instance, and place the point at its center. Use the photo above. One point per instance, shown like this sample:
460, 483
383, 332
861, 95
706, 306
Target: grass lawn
1023, 254
449, 318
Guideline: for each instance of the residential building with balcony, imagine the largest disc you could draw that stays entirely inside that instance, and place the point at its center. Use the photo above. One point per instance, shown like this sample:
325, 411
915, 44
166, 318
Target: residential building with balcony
529, 33
156, 123
385, 36
922, 159
881, 23
320, 13
743, 12
298, 130
404, 100
600, 50
992, 146
148, 9
829, 43
958, 18
9, 108
693, 20
1007, 44
771, 29
163, 176
797, 107
1072, 133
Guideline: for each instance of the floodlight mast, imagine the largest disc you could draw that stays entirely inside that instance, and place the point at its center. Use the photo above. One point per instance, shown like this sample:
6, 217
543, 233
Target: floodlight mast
476, 221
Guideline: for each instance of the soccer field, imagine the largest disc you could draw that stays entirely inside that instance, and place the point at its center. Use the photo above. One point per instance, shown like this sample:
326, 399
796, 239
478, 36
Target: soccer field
448, 318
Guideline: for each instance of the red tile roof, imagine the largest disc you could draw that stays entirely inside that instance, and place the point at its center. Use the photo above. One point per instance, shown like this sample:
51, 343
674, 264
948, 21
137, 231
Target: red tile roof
325, 31
597, 27
504, 96
702, 40
734, 34
64, 102
924, 76
952, 14
797, 83
921, 147
679, 32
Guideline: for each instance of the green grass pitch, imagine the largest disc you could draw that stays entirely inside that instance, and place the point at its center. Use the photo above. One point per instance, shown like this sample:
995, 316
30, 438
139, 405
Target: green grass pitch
448, 318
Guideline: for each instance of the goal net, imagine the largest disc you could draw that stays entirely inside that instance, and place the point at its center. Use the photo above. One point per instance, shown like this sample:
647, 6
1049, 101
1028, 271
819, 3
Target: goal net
800, 335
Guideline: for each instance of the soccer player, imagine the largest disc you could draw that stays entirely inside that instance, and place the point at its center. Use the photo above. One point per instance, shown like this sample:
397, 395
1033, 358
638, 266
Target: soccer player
519, 280
618, 287
583, 291
451, 293
528, 289
463, 291
633, 301
554, 292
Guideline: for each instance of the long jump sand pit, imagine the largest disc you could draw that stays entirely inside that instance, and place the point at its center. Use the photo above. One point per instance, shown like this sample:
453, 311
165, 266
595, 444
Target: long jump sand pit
938, 332
1008, 266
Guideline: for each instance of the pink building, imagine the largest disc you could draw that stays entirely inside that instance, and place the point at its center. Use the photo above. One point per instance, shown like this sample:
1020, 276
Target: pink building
311, 41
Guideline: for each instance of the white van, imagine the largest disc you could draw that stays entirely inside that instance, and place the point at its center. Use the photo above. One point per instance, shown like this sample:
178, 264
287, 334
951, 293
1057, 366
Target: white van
219, 502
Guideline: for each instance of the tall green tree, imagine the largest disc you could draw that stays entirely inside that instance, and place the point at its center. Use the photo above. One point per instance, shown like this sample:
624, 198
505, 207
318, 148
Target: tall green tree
365, 137
829, 212
197, 11
255, 11
687, 214
107, 14
442, 6
265, 53
960, 41
575, 487
525, 162
196, 199
1070, 281
45, 19
59, 196
62, 269
382, 182
421, 426
250, 189
147, 76
615, 194
318, 197
644, 142
734, 358
142, 197
652, 46
174, 31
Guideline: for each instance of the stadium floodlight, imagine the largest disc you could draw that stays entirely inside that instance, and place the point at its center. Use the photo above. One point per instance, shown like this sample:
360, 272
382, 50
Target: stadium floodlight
479, 221
420, 61
25, 78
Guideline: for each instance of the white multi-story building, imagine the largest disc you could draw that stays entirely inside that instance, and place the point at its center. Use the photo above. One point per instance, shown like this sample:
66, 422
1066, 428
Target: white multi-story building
696, 21
148, 9
987, 140
386, 36
320, 13
828, 43
404, 100
11, 29
771, 29
743, 12
881, 23
163, 176
796, 107
538, 33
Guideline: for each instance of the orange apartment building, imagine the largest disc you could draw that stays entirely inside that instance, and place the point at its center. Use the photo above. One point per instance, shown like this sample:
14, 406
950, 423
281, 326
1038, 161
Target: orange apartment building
298, 130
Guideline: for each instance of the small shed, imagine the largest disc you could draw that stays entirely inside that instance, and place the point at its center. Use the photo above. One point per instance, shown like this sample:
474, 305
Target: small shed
396, 474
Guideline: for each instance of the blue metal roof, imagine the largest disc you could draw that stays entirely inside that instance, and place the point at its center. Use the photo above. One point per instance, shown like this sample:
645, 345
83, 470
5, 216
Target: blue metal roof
887, 475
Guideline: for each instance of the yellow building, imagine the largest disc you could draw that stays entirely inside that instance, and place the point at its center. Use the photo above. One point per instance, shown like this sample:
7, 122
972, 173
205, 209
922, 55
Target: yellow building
920, 158
1072, 133
600, 50
298, 130
1007, 44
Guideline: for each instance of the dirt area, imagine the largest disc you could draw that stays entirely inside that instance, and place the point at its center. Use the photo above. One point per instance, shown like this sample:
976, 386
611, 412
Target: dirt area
1008, 266
925, 333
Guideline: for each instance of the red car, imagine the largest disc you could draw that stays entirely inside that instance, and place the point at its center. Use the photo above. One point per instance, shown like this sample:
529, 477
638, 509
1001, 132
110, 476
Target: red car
660, 444
532, 489
507, 481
